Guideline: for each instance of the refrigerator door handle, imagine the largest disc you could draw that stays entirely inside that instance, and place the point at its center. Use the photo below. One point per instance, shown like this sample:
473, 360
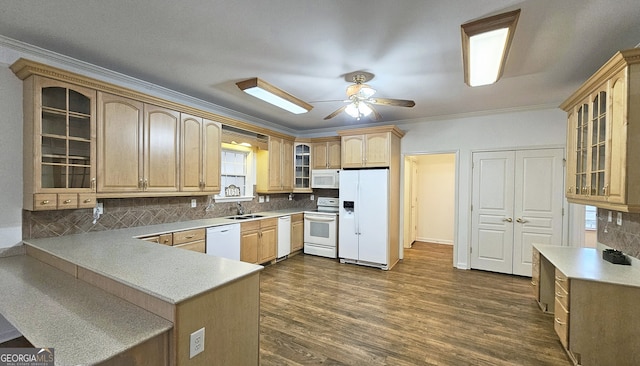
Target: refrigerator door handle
355, 208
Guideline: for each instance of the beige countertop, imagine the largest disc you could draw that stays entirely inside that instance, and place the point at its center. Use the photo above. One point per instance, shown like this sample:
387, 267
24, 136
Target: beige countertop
161, 271
84, 325
587, 264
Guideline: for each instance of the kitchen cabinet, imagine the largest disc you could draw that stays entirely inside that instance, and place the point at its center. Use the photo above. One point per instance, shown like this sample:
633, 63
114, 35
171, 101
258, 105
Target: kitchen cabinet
302, 167
259, 240
275, 167
185, 239
59, 146
593, 303
190, 240
374, 147
297, 232
138, 147
200, 155
603, 124
326, 153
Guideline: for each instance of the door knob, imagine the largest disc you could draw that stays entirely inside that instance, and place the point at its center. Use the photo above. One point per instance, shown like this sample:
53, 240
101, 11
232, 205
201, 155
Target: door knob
508, 219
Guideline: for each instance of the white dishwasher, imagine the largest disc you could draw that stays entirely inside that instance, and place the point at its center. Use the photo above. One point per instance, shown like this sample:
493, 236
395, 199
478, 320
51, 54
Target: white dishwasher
284, 236
224, 241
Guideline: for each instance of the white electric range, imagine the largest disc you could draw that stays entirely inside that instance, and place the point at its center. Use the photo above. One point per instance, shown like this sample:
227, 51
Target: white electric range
321, 228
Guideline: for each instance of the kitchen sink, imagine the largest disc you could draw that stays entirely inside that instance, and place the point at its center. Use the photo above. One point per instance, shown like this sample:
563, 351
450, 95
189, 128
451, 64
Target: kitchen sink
244, 217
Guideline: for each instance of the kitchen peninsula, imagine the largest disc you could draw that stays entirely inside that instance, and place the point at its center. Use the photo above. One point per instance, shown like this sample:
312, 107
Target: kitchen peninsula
182, 291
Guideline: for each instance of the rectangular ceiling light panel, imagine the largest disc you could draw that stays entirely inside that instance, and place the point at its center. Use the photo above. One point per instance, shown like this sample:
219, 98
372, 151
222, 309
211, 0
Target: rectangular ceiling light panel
485, 46
272, 95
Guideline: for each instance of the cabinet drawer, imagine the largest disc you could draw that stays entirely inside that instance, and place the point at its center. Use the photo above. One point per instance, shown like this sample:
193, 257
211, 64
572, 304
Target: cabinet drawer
181, 237
165, 239
269, 222
196, 246
250, 226
561, 324
86, 200
562, 281
45, 201
562, 296
66, 201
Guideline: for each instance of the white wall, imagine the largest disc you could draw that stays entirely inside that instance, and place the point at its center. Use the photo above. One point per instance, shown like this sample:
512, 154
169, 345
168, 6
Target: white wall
10, 158
436, 180
508, 130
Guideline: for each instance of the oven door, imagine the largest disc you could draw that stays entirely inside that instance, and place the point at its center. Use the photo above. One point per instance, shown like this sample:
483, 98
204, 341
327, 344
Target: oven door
320, 229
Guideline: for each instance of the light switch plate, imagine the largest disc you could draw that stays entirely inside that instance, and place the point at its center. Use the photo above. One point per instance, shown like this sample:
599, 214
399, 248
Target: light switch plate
610, 218
193, 203
196, 342
267, 198
260, 199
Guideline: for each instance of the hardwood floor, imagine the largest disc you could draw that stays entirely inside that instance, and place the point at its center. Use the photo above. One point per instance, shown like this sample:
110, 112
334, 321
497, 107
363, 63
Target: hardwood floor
423, 312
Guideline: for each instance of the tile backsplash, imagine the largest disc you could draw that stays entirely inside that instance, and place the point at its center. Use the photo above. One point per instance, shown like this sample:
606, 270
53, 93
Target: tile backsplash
122, 213
625, 238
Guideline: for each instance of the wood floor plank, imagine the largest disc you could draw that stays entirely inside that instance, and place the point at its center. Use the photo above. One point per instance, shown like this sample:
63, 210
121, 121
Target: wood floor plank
316, 311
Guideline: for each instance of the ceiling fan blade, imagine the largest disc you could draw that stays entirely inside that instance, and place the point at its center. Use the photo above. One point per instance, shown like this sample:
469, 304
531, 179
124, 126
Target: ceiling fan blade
336, 112
375, 115
392, 102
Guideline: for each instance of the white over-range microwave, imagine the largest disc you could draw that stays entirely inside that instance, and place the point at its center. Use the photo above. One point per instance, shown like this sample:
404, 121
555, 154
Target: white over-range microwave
325, 178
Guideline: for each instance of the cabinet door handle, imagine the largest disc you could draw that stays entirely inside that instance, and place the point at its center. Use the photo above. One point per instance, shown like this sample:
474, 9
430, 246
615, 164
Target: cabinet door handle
145, 185
67, 201
93, 184
508, 219
521, 221
560, 279
559, 295
140, 183
560, 322
534, 283
189, 237
87, 200
45, 202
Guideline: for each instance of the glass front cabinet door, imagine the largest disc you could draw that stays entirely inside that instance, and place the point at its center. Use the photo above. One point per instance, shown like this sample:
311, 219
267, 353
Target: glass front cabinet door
59, 146
302, 167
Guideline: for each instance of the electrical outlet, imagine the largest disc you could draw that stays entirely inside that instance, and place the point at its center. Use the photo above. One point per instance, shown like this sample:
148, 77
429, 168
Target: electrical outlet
196, 342
100, 208
267, 198
193, 203
610, 218
260, 199
312, 197
619, 219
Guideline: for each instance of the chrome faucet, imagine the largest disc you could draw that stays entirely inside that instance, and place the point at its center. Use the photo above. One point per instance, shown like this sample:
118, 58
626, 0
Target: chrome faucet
240, 209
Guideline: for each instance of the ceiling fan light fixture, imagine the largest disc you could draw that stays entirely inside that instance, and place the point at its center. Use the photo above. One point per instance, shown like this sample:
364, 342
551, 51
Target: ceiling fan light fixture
262, 90
358, 110
485, 46
363, 91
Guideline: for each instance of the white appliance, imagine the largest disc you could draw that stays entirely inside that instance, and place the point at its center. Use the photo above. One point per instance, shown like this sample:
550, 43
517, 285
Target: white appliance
321, 229
224, 241
284, 236
325, 178
364, 217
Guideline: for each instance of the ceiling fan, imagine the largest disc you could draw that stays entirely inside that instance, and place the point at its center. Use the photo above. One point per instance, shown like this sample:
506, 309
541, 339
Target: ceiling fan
360, 99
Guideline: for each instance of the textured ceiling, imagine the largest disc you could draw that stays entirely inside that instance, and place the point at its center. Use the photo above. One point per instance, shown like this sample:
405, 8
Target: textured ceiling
203, 47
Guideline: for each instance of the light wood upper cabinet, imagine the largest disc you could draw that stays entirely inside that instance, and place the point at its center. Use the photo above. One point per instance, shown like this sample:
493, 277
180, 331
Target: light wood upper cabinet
139, 146
275, 167
200, 155
603, 123
372, 147
326, 154
59, 167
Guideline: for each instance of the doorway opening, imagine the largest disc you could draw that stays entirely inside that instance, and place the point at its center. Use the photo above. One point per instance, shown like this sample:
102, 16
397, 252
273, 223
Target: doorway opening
429, 203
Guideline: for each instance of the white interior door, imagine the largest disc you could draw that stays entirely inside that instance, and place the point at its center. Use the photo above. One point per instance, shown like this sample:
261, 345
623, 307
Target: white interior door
517, 201
539, 198
492, 211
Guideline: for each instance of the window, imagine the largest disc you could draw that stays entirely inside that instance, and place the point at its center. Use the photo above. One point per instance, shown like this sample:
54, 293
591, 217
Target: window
236, 170
590, 218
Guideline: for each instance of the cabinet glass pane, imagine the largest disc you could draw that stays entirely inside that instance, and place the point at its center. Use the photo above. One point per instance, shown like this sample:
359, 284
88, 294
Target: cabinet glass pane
54, 123
54, 176
80, 127
79, 103
80, 150
54, 97
54, 147
79, 177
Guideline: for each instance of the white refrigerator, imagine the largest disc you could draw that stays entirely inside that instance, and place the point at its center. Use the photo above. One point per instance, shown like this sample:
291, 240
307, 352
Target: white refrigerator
363, 234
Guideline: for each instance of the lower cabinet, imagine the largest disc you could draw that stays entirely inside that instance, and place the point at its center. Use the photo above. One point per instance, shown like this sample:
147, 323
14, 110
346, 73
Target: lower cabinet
596, 319
297, 232
187, 239
259, 240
